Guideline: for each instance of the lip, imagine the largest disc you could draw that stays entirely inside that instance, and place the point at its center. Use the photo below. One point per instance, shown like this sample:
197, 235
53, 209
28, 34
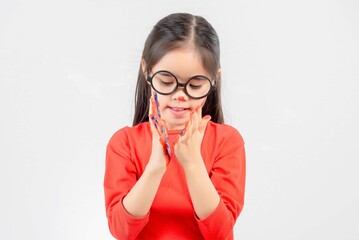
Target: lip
178, 113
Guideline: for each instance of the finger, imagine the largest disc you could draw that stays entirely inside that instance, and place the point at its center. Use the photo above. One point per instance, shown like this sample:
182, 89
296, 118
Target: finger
153, 107
150, 107
202, 104
160, 127
156, 104
183, 131
165, 134
195, 121
176, 140
151, 117
154, 125
204, 123
199, 110
188, 131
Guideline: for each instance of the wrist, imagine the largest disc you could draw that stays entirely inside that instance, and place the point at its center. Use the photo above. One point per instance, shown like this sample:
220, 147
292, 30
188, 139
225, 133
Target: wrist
194, 166
155, 168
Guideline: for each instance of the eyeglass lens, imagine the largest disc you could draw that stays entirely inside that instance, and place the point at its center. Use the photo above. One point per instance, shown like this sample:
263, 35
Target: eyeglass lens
166, 83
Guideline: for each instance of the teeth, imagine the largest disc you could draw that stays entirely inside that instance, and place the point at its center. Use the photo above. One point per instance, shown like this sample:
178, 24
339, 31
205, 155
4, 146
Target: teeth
178, 109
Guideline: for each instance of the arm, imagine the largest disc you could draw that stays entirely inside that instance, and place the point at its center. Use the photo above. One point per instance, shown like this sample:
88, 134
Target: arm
129, 198
217, 198
188, 151
120, 177
228, 177
204, 195
139, 200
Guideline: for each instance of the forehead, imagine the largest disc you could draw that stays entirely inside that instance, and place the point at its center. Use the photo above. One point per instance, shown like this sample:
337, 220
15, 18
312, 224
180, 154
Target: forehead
183, 62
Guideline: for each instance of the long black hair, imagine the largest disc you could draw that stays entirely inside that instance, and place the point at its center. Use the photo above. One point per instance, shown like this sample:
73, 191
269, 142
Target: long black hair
172, 32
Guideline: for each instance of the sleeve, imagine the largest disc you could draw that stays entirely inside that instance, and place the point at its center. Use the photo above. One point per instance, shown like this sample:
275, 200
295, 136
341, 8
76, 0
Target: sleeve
228, 177
120, 177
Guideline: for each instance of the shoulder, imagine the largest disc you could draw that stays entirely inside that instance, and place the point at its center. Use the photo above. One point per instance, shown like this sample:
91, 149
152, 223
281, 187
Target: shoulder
128, 134
224, 132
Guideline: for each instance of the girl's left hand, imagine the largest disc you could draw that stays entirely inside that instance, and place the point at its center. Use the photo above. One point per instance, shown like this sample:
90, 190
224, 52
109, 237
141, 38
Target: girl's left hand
187, 147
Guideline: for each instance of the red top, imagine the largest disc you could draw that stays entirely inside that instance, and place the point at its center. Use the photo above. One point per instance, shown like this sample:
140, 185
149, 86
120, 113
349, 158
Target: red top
172, 215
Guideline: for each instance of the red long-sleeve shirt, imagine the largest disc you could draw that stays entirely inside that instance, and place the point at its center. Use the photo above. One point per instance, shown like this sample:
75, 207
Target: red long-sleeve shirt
172, 214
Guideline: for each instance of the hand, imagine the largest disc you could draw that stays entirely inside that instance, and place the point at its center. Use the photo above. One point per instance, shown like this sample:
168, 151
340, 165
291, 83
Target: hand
188, 146
159, 156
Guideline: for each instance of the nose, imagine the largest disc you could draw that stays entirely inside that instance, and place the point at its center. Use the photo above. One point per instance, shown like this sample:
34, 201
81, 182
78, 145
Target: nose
180, 95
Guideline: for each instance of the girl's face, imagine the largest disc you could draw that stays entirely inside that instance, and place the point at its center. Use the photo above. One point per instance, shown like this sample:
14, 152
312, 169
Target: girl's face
175, 108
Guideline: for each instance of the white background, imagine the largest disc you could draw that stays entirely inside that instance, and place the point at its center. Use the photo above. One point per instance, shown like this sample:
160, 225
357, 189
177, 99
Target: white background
291, 82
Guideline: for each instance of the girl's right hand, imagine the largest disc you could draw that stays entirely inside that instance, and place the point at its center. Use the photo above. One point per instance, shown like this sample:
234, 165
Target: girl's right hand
159, 159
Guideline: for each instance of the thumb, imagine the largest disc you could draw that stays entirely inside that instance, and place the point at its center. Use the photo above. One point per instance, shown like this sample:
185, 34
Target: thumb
203, 123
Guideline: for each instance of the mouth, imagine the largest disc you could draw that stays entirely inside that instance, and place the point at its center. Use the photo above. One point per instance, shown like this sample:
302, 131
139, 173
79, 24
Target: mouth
177, 111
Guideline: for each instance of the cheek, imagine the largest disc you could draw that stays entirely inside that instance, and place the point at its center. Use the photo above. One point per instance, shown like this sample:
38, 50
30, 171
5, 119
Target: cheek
163, 101
200, 102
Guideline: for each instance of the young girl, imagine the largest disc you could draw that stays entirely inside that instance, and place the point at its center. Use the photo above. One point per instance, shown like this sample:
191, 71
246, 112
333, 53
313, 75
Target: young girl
175, 174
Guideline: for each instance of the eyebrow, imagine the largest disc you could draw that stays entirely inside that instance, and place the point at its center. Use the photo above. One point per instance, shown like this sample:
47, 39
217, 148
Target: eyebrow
185, 79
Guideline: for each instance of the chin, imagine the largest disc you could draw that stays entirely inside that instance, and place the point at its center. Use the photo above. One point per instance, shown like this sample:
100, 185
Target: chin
175, 125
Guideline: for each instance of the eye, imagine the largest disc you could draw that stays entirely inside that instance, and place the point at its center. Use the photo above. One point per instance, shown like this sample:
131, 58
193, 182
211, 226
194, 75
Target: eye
195, 86
165, 79
166, 83
198, 82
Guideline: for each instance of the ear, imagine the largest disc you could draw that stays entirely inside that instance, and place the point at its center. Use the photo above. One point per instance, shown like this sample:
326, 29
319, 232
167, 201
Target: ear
143, 67
144, 70
219, 73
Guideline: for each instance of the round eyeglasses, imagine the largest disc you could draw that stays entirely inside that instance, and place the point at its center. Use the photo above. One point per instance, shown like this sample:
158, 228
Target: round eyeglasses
165, 83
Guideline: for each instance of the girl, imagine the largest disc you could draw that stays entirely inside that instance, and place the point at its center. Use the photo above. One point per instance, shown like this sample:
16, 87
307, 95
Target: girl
175, 174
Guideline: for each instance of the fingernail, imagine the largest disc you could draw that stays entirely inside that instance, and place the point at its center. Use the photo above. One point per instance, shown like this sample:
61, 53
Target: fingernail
156, 98
207, 117
181, 132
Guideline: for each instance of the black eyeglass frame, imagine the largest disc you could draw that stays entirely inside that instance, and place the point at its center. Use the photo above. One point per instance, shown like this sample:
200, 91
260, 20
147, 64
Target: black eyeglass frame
178, 84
